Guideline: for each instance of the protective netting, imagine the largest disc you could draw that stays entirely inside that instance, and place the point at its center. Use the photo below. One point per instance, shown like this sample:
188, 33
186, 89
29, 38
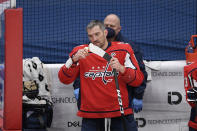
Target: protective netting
161, 28
4, 4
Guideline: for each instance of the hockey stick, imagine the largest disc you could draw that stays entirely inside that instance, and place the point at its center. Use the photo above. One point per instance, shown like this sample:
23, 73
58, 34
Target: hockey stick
100, 52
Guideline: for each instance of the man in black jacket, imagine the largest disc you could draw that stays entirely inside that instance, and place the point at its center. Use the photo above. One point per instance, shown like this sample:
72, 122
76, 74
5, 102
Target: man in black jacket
135, 93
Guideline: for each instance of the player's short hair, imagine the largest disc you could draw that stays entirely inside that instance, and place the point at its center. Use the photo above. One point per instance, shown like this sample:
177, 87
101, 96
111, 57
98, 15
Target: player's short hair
94, 23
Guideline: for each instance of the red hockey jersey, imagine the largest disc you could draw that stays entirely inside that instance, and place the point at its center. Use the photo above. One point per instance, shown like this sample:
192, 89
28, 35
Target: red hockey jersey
98, 90
190, 81
190, 78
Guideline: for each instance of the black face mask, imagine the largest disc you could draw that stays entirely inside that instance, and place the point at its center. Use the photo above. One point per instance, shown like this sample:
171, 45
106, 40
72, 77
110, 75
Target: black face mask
111, 32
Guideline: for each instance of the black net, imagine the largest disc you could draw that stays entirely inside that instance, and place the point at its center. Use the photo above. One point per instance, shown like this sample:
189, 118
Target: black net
4, 4
161, 28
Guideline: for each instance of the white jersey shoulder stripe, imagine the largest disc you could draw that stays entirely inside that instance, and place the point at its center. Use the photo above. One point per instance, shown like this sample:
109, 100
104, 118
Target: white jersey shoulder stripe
128, 63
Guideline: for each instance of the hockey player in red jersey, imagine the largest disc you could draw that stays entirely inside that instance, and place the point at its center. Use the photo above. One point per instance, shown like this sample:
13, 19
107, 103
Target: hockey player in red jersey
190, 84
99, 98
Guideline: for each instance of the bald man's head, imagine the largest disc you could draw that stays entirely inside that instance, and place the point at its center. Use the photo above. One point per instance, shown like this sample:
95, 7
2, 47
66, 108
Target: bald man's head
113, 21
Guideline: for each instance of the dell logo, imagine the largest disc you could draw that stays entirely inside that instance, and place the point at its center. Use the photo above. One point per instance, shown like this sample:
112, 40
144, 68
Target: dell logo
74, 124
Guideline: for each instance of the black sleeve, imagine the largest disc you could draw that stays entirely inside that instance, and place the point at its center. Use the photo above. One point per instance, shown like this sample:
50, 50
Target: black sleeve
138, 92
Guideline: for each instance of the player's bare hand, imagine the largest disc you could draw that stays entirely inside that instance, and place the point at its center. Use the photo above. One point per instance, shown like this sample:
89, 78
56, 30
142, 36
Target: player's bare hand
115, 64
81, 54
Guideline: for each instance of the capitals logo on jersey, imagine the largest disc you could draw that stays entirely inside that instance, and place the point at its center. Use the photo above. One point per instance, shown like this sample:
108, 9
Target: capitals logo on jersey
102, 72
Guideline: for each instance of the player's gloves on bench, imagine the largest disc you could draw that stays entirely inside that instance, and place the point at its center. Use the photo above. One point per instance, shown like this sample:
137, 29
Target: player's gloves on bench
137, 105
192, 94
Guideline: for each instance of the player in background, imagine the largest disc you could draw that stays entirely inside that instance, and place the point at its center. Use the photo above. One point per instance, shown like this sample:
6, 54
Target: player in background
112, 23
190, 84
98, 89
136, 93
